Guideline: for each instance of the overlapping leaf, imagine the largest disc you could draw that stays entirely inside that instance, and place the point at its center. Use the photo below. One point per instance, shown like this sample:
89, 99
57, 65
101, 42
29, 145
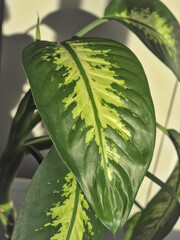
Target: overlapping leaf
161, 214
131, 223
94, 98
154, 24
55, 208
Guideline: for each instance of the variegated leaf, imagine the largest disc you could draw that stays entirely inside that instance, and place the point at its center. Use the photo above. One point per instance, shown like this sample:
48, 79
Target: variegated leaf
162, 212
159, 216
154, 24
94, 98
55, 208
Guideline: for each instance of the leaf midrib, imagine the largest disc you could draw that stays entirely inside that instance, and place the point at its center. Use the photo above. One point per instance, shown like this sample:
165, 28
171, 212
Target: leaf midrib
73, 218
91, 97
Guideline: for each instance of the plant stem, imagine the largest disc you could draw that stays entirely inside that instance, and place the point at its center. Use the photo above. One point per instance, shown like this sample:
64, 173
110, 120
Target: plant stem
35, 153
7, 215
138, 205
92, 25
24, 121
164, 186
40, 143
158, 155
163, 129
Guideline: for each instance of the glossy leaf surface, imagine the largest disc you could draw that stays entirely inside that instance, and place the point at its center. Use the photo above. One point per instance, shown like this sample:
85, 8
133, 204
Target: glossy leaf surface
161, 214
94, 99
154, 24
55, 208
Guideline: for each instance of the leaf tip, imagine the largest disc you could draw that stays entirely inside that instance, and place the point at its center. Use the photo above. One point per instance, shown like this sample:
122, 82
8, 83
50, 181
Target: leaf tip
38, 34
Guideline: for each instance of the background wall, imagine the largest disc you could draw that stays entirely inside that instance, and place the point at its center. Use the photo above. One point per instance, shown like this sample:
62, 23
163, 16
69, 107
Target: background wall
61, 19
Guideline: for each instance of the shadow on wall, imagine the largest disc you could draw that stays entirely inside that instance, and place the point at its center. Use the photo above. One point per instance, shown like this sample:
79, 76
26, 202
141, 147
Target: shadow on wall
12, 80
66, 22
11, 89
69, 19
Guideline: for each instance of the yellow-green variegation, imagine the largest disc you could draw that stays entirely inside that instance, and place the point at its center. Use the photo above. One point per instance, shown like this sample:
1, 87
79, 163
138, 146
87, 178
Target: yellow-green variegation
55, 208
94, 99
154, 24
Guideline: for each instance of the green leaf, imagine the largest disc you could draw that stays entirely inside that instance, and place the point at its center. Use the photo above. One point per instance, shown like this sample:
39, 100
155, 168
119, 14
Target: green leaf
7, 218
161, 214
55, 208
154, 24
175, 137
94, 99
130, 225
38, 33
25, 120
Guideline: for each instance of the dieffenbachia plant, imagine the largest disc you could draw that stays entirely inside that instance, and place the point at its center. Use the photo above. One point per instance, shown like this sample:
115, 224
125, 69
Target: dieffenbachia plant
93, 97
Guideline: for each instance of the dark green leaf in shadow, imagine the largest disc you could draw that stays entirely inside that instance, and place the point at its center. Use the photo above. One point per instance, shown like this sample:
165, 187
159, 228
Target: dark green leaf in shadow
130, 225
94, 99
175, 137
154, 24
55, 208
161, 214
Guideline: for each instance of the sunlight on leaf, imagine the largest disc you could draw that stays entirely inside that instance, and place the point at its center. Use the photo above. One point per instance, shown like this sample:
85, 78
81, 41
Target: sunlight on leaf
154, 24
94, 99
61, 210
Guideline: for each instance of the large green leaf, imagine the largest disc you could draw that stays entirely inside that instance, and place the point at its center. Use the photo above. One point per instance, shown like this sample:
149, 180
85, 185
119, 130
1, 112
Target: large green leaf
161, 214
154, 24
94, 99
55, 208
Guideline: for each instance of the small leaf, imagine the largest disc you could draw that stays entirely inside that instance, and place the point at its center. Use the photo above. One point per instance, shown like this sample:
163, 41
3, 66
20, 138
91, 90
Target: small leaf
154, 24
94, 99
160, 215
55, 208
38, 33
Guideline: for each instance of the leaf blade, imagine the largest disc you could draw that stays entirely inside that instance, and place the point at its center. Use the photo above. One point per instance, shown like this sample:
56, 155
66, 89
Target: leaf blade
154, 24
93, 93
160, 215
60, 208
130, 225
162, 212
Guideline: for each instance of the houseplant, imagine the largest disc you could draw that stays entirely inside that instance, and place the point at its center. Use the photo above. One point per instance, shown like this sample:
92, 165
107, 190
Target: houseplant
94, 99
